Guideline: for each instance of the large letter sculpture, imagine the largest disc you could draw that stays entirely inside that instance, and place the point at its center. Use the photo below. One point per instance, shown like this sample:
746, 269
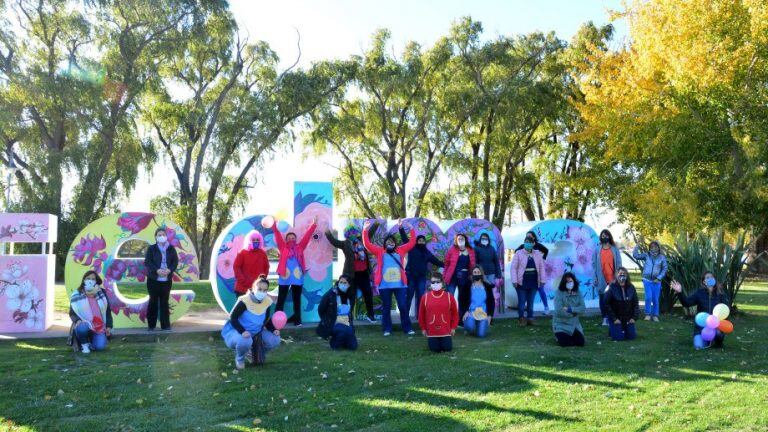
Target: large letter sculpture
95, 248
27, 281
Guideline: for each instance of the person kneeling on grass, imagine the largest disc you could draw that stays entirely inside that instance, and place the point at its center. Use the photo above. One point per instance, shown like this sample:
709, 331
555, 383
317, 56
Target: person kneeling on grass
438, 315
569, 304
622, 307
481, 305
709, 295
335, 310
90, 314
249, 330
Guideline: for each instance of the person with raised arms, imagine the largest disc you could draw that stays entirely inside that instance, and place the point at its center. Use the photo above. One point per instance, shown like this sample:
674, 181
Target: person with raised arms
356, 265
417, 269
708, 295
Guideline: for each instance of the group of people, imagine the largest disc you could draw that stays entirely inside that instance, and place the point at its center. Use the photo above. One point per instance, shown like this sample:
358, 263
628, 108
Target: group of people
462, 295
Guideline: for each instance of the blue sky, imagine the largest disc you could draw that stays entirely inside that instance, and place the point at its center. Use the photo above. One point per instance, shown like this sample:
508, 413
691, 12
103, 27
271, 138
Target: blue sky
338, 29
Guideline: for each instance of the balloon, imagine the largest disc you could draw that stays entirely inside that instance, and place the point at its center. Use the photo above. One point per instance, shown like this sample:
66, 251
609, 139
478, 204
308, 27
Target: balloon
698, 342
279, 319
701, 319
713, 322
708, 334
267, 221
725, 326
721, 311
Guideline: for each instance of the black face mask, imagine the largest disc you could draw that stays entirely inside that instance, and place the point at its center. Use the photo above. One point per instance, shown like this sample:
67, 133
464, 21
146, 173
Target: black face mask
477, 277
603, 239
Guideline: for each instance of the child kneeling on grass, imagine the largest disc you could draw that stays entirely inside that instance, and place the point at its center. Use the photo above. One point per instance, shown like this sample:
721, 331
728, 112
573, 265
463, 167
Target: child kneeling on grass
249, 330
336, 321
438, 315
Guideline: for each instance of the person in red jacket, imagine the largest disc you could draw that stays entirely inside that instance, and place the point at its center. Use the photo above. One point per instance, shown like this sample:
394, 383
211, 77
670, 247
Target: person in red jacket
390, 277
459, 260
291, 268
438, 316
250, 263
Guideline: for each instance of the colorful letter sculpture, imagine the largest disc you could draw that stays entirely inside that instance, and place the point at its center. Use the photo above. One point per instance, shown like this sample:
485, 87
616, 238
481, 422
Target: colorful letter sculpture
311, 201
27, 281
95, 248
571, 246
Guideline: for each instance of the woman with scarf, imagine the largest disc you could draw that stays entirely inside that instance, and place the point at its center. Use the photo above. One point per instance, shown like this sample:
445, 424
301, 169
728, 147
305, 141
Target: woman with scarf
569, 305
417, 269
705, 298
527, 276
606, 262
390, 277
90, 314
249, 327
356, 263
161, 262
531, 236
291, 268
335, 310
481, 305
459, 260
250, 263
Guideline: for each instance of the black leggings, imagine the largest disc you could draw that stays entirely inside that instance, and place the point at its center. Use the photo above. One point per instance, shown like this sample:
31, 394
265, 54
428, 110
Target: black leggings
440, 344
282, 293
566, 340
362, 282
465, 292
159, 295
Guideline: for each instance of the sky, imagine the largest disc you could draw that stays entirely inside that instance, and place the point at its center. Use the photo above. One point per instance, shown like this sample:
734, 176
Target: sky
337, 29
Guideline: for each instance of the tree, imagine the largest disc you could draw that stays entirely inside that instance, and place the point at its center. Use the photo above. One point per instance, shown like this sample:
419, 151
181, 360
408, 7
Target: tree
238, 107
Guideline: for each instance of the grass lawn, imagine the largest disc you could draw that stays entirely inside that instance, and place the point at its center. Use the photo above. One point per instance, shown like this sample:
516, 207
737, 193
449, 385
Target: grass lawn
516, 379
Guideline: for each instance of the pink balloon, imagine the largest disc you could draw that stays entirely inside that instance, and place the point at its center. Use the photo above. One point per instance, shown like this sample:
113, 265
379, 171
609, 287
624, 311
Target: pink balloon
708, 334
267, 221
279, 319
713, 322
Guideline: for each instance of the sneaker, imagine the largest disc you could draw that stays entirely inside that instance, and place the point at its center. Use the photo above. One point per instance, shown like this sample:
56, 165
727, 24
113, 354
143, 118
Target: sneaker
647, 317
371, 320
411, 333
655, 319
299, 325
86, 348
605, 322
387, 334
239, 364
249, 357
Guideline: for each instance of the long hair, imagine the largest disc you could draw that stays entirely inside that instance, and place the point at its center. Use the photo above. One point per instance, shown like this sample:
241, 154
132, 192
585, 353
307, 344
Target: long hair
718, 288
610, 237
563, 281
99, 281
466, 241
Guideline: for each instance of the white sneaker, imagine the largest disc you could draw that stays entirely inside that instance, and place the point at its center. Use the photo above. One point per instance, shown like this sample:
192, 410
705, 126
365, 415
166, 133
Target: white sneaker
86, 348
647, 317
371, 320
411, 333
546, 310
249, 356
387, 334
605, 322
655, 319
239, 364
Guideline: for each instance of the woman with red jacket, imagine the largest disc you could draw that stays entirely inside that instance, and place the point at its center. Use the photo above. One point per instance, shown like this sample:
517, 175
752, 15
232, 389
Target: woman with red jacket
390, 277
291, 268
250, 263
438, 316
459, 260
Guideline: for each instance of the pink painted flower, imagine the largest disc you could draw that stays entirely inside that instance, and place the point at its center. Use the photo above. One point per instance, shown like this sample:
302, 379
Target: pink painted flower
116, 270
34, 320
226, 258
185, 258
193, 270
318, 256
14, 272
553, 271
173, 238
134, 222
580, 237
88, 248
21, 296
582, 262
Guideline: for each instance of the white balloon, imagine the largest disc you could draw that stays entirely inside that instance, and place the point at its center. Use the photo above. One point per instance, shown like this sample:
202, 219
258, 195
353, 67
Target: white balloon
721, 311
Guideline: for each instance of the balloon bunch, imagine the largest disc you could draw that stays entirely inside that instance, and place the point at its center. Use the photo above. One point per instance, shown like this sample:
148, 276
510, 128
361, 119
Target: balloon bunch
711, 324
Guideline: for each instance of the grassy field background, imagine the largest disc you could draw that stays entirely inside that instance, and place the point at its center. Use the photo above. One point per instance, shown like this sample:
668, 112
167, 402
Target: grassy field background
516, 379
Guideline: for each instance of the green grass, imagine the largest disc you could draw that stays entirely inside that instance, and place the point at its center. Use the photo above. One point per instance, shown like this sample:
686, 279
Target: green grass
516, 379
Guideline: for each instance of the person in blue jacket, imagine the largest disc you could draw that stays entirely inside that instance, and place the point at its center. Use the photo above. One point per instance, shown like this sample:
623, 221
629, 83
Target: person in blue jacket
335, 310
417, 269
705, 298
654, 271
248, 320
481, 305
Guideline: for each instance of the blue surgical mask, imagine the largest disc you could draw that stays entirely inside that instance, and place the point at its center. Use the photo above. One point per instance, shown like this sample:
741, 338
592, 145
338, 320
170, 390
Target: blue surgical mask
343, 287
710, 282
258, 296
89, 284
528, 245
484, 242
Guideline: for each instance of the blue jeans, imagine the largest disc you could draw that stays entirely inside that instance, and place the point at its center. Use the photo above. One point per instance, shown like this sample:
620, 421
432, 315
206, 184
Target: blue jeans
475, 327
525, 302
416, 287
623, 331
543, 297
652, 294
386, 308
343, 337
85, 335
242, 345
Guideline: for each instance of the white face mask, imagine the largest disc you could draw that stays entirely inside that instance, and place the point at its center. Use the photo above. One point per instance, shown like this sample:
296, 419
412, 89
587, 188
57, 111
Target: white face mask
259, 295
89, 285
436, 286
569, 285
460, 242
484, 242
161, 239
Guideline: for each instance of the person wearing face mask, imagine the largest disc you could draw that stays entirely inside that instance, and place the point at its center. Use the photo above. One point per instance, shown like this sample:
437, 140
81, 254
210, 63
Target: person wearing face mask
460, 259
481, 305
531, 237
705, 298
487, 258
390, 277
336, 323
654, 271
356, 263
622, 307
417, 269
90, 314
250, 262
527, 276
161, 262
568, 306
249, 327
438, 316
606, 261
291, 268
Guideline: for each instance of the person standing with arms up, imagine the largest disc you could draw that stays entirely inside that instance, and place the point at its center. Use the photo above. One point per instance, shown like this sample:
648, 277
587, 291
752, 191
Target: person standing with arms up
356, 265
417, 269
